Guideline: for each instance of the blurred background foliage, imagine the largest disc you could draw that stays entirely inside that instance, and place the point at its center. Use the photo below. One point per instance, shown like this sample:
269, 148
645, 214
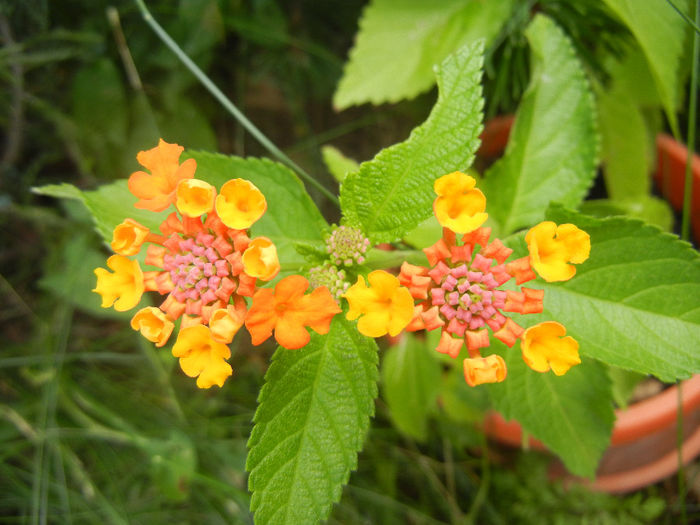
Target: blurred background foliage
96, 425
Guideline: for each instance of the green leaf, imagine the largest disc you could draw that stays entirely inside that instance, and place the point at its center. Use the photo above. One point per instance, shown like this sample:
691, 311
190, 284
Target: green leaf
393, 193
410, 381
291, 216
551, 155
635, 303
338, 164
650, 209
571, 414
109, 205
400, 42
311, 422
660, 32
625, 148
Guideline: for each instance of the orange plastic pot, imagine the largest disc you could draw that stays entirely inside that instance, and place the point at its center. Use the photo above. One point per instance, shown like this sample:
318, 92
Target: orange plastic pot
643, 448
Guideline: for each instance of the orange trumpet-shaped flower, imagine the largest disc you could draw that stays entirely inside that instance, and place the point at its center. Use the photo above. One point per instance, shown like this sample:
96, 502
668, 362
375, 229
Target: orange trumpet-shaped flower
288, 312
552, 247
194, 197
260, 259
225, 322
124, 287
157, 190
480, 370
128, 237
153, 325
240, 203
385, 305
202, 357
544, 346
459, 205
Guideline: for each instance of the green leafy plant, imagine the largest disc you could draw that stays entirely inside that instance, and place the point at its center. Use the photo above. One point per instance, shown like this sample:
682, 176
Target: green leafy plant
633, 303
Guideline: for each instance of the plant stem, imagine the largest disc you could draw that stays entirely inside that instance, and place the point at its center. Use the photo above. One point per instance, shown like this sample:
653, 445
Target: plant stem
685, 17
228, 105
692, 114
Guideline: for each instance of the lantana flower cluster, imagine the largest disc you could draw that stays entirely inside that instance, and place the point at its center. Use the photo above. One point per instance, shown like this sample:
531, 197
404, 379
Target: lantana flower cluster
462, 292
207, 267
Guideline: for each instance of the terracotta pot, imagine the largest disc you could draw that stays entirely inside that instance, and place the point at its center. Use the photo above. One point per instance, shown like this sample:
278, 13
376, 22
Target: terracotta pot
670, 177
643, 448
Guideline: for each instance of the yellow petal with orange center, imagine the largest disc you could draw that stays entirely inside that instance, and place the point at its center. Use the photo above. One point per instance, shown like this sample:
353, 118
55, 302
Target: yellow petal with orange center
202, 357
260, 259
153, 325
480, 370
553, 247
128, 237
545, 346
122, 288
459, 205
194, 197
386, 307
239, 204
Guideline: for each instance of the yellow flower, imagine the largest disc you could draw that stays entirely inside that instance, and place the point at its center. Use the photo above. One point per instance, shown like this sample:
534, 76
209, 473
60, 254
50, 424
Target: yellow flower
459, 205
124, 287
385, 306
194, 197
545, 346
202, 357
552, 247
128, 237
260, 259
153, 325
480, 370
240, 203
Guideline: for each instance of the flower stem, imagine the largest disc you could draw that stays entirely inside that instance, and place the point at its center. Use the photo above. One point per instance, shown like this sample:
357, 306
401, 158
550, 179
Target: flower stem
227, 104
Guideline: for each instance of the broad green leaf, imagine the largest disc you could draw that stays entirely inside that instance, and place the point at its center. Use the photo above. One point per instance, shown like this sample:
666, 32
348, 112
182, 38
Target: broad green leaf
625, 148
551, 154
71, 277
338, 164
109, 205
635, 303
571, 414
313, 414
400, 41
410, 383
623, 383
391, 194
291, 215
650, 209
660, 32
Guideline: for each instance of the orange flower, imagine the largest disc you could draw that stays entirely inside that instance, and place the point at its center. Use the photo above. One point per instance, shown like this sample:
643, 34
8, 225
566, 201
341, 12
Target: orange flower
385, 306
194, 197
225, 322
124, 287
260, 259
480, 370
202, 357
288, 311
157, 190
551, 247
240, 203
459, 205
128, 237
544, 346
153, 325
